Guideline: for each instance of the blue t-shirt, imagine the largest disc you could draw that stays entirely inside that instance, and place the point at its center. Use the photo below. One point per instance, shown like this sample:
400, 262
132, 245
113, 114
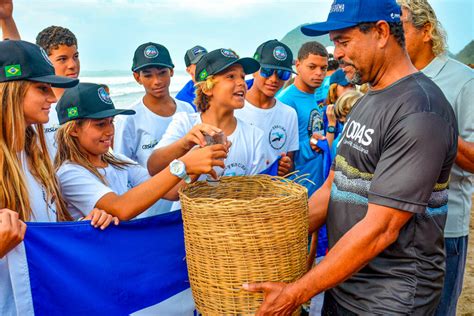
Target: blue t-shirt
310, 120
321, 93
307, 161
187, 94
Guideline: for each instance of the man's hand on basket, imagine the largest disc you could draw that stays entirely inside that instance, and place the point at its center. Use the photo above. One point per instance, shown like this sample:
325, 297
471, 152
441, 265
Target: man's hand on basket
280, 298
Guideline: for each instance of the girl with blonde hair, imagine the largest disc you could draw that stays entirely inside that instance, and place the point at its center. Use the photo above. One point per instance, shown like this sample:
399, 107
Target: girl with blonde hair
92, 176
29, 189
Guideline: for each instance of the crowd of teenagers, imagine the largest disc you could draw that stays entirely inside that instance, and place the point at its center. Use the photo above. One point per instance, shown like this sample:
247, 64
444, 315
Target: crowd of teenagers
379, 128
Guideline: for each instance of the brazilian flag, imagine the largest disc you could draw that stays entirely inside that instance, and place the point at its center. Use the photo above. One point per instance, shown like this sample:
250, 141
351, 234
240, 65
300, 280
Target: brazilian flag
12, 71
72, 112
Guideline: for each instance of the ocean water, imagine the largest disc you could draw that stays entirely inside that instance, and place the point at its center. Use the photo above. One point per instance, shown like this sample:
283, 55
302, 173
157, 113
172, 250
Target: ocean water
124, 90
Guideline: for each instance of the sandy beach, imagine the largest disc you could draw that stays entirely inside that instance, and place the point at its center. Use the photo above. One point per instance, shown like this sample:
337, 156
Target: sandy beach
466, 302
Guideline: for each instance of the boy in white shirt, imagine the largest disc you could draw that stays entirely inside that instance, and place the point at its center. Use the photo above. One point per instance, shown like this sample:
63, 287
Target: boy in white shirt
278, 121
136, 135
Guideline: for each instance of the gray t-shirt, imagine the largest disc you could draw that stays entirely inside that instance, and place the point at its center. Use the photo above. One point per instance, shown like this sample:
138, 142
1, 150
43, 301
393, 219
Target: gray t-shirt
397, 150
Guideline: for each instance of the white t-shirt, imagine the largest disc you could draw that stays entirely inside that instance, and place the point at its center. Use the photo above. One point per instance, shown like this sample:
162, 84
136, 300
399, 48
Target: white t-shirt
247, 155
279, 124
42, 211
82, 189
136, 135
50, 130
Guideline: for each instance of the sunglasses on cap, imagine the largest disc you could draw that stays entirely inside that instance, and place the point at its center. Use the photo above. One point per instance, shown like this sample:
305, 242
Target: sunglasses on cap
268, 72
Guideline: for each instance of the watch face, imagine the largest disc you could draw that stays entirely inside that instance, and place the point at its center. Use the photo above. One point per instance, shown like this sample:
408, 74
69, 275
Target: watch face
177, 167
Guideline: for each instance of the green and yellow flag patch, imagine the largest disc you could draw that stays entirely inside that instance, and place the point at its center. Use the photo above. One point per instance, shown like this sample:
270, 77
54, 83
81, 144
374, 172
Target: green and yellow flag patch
12, 71
72, 112
203, 75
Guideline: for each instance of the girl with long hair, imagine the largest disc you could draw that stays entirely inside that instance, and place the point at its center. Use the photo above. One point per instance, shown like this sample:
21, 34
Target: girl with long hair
29, 190
91, 175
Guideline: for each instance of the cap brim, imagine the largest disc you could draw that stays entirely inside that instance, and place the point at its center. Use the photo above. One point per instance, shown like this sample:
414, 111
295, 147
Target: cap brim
277, 67
322, 28
56, 81
141, 67
110, 113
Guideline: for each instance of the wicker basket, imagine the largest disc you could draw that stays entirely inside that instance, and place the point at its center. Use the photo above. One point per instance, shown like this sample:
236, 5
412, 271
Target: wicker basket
246, 229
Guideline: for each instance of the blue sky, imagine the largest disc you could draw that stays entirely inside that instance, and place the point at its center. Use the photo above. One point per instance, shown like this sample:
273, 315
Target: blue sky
108, 31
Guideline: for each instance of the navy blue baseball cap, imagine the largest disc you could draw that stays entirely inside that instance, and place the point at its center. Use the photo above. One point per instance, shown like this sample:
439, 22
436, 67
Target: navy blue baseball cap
219, 60
87, 100
151, 55
349, 13
339, 77
21, 60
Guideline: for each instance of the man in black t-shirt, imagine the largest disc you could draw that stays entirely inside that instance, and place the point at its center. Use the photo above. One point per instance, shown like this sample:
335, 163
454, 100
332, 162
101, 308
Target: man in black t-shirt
385, 200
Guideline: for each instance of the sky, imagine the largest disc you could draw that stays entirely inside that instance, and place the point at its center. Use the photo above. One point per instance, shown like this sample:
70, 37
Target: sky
108, 31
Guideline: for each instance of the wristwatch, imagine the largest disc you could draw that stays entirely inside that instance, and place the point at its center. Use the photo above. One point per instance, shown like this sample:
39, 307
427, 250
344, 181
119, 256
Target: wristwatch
331, 129
178, 168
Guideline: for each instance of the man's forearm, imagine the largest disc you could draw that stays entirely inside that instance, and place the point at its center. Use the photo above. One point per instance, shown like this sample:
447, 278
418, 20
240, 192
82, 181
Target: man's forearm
465, 155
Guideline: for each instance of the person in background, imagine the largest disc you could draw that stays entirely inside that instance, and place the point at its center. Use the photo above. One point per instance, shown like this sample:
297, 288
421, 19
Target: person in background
321, 93
338, 84
191, 58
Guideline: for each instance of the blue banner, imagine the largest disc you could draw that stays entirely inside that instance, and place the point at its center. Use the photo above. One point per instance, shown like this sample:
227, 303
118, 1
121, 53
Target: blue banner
135, 268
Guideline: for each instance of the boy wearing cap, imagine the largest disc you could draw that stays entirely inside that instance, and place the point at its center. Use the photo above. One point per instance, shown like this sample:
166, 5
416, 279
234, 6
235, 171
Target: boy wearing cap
220, 90
191, 58
136, 135
311, 66
385, 200
277, 120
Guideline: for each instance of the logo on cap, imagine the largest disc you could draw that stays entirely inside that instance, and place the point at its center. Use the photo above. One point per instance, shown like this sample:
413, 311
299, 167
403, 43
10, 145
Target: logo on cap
338, 8
45, 56
151, 52
104, 96
256, 56
198, 50
395, 16
279, 53
12, 71
228, 53
203, 75
72, 112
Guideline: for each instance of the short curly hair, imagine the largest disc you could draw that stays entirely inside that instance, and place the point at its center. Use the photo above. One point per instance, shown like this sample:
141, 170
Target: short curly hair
53, 36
